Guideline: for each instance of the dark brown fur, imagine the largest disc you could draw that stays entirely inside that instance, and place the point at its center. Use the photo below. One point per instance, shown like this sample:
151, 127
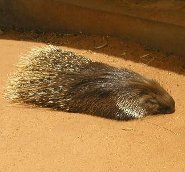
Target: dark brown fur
51, 77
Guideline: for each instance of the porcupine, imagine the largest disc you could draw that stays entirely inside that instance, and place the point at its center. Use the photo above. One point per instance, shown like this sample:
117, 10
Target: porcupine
58, 79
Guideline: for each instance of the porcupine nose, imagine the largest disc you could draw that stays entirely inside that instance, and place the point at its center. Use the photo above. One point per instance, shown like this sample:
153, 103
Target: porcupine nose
169, 108
172, 109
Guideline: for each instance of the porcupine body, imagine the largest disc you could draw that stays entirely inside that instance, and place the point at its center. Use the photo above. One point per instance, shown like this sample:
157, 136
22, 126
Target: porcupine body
58, 79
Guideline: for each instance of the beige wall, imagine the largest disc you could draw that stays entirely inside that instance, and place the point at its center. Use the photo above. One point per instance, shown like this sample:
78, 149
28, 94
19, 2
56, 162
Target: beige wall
156, 24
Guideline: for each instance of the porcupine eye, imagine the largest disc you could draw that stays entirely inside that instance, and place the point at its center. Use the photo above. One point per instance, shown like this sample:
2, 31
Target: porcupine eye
152, 101
151, 105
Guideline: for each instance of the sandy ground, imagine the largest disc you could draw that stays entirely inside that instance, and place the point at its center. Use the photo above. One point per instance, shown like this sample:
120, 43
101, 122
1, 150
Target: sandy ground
36, 139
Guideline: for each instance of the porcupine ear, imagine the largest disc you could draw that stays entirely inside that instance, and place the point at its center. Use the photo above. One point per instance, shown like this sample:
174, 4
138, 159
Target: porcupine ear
104, 94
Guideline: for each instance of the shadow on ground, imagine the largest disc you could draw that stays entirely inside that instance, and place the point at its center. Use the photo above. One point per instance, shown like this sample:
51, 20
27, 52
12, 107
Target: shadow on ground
107, 45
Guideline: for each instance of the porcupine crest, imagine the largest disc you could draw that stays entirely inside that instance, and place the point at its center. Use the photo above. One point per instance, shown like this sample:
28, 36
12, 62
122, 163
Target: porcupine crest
41, 76
52, 77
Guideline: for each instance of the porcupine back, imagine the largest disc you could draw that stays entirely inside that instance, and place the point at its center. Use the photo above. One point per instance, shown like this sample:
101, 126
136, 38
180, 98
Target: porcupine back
52, 77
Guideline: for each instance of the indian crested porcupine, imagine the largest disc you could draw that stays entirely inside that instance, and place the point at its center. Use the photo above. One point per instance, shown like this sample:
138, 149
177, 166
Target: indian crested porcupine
51, 77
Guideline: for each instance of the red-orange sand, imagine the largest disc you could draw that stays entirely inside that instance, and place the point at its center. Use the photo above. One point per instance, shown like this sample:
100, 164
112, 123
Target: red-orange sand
38, 139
